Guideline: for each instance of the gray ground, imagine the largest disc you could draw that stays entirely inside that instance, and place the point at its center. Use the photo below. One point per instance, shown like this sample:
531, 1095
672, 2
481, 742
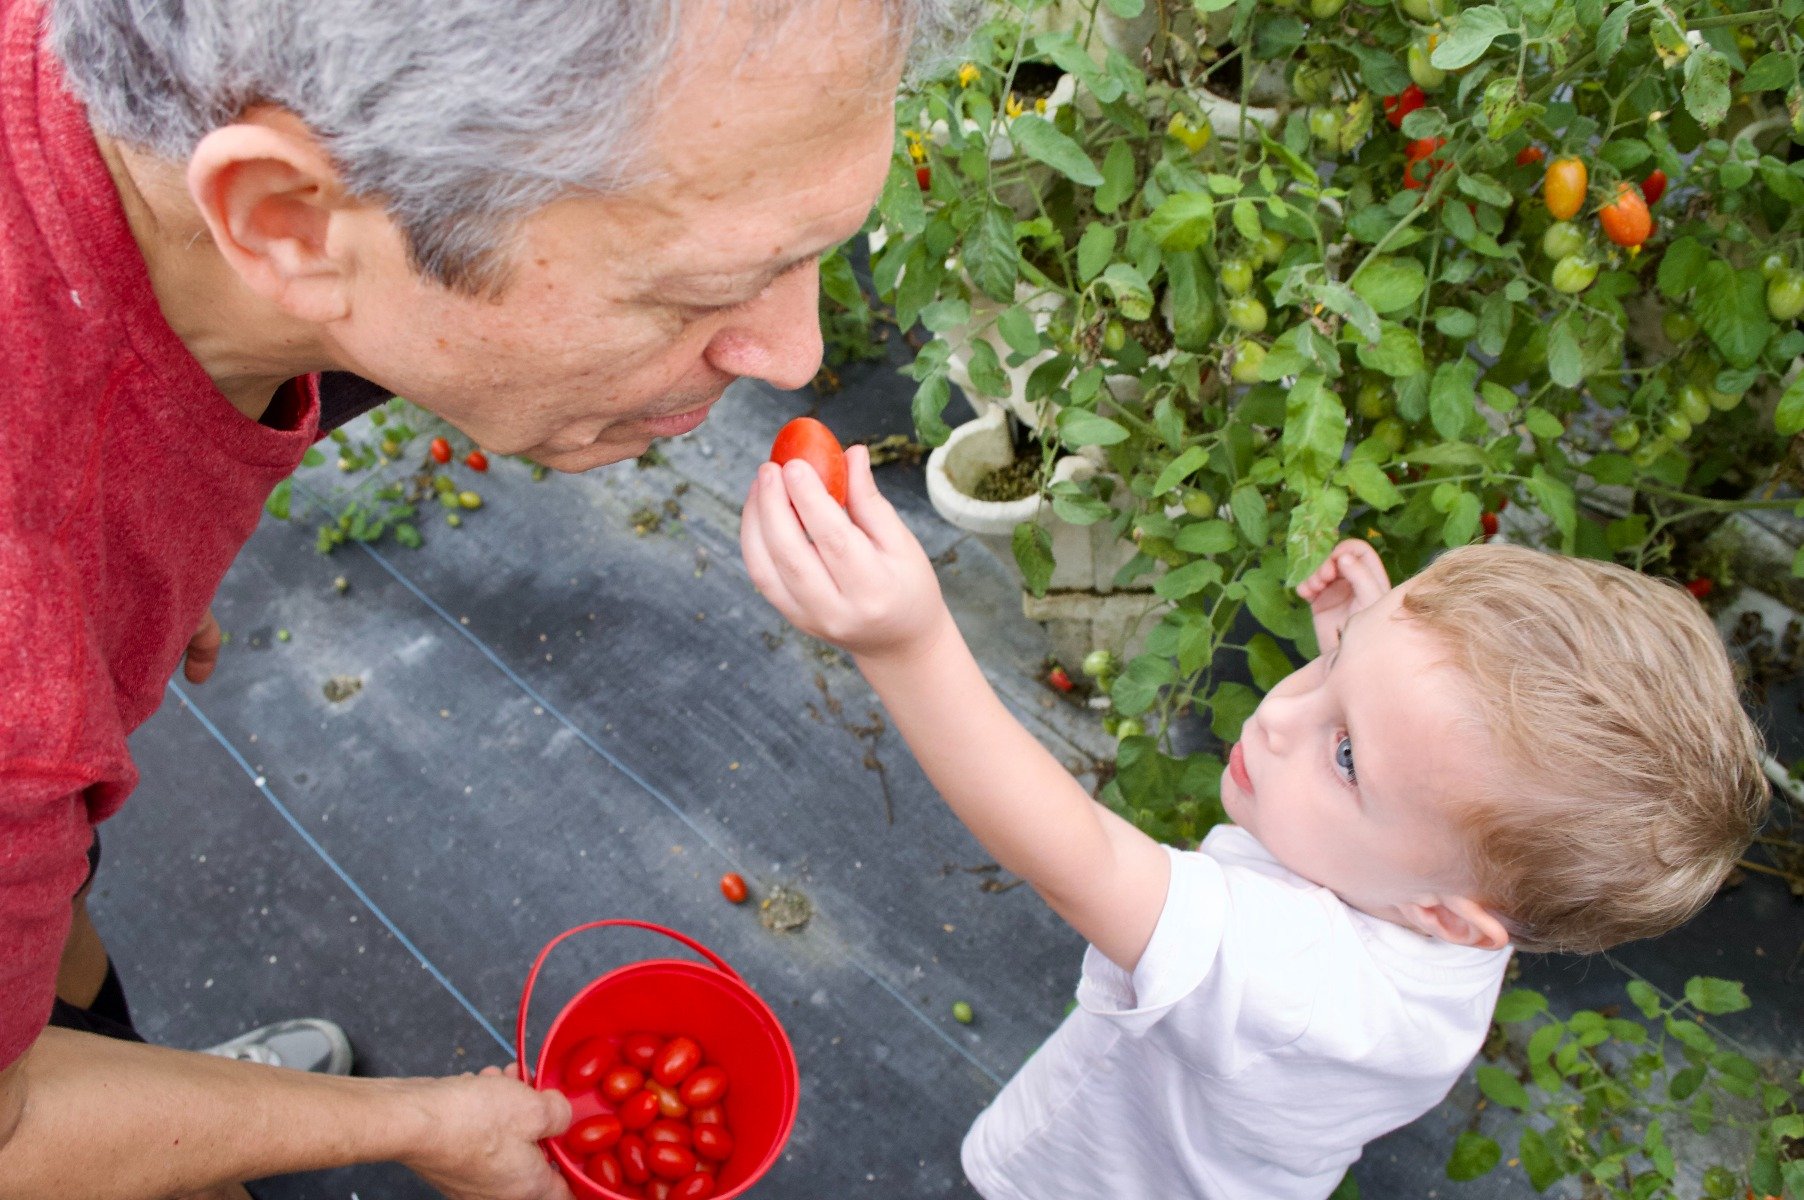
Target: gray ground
561, 720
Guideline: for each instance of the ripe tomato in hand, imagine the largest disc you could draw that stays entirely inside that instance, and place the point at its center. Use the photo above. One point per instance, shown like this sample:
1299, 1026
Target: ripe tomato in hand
676, 1060
641, 1049
586, 1064
713, 1141
732, 886
1563, 189
440, 450
633, 1161
704, 1088
620, 1082
639, 1109
1626, 220
812, 442
594, 1134
698, 1186
670, 1160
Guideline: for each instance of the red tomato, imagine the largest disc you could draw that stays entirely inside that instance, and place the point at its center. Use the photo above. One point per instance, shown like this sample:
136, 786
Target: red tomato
633, 1161
713, 1141
476, 460
670, 1161
713, 1114
641, 1049
1488, 522
1402, 104
1654, 186
812, 442
666, 1130
593, 1134
669, 1103
586, 1064
1060, 679
604, 1169
732, 886
621, 1082
698, 1186
1563, 188
680, 1056
659, 1189
1422, 165
1626, 220
1528, 156
1701, 587
639, 1109
924, 177
704, 1088
440, 450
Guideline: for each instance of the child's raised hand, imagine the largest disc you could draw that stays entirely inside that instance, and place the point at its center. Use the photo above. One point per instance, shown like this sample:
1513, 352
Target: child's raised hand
855, 577
1351, 578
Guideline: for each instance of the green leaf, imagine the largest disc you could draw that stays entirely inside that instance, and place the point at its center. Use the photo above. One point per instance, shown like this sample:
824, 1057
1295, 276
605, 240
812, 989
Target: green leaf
1770, 72
1397, 354
1246, 219
1614, 31
1071, 503
1314, 531
1132, 294
1381, 68
1079, 427
985, 369
1016, 325
1193, 317
1094, 250
1179, 469
1503, 1088
1248, 507
1473, 1155
1473, 32
1645, 998
1565, 358
900, 205
1369, 482
1450, 398
1033, 554
1267, 661
1788, 418
1390, 283
312, 458
990, 254
1041, 139
1715, 996
929, 406
1341, 299
1681, 267
1138, 687
279, 500
1117, 178
1185, 221
1315, 427
1730, 305
1557, 500
1537, 1160
1706, 88
1519, 1004
1126, 9
1462, 521
1188, 579
1213, 536
1229, 709
408, 536
1543, 424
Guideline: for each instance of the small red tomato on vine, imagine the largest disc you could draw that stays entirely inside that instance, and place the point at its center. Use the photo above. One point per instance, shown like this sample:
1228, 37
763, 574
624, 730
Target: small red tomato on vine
732, 886
1528, 156
1701, 587
1654, 186
1563, 189
1488, 523
924, 177
440, 450
476, 460
1402, 104
1625, 219
1059, 679
1422, 165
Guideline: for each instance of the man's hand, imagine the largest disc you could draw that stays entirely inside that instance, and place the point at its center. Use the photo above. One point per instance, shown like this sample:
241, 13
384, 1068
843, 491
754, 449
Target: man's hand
1352, 578
855, 577
485, 1139
203, 651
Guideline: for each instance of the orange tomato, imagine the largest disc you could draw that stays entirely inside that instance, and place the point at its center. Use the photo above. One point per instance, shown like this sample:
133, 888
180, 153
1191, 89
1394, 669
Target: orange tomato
1626, 220
1563, 190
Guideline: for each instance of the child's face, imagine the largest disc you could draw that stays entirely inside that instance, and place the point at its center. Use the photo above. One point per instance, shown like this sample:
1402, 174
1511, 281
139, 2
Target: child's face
1348, 771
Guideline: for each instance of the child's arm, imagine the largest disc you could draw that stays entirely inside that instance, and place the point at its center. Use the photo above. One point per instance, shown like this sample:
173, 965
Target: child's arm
863, 582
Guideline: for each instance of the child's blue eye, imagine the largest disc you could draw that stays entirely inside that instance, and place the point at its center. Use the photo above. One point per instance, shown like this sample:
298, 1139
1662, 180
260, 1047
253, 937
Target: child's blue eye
1343, 758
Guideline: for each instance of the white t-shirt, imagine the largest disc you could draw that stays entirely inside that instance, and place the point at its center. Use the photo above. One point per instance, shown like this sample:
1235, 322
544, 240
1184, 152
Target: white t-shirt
1268, 1033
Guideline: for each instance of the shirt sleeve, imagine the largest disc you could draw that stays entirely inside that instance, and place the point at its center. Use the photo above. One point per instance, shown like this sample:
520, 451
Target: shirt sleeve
1178, 957
44, 839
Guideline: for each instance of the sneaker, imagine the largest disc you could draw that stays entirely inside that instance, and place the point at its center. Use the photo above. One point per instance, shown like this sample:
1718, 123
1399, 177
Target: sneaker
308, 1044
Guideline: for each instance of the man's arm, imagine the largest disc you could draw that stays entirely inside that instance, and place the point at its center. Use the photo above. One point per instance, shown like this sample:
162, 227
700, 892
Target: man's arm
89, 1118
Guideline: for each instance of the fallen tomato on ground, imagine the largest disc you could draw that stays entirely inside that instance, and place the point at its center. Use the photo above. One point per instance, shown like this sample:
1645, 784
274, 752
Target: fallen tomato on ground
476, 460
732, 886
440, 450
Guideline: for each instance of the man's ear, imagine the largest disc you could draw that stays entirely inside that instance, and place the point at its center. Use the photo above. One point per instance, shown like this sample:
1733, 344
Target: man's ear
269, 196
1457, 919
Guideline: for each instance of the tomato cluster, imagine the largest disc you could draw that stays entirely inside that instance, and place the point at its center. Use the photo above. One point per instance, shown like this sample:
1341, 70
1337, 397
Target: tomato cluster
664, 1134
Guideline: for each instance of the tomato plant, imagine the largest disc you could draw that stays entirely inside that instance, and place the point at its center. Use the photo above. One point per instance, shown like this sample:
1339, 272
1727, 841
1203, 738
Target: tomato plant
813, 443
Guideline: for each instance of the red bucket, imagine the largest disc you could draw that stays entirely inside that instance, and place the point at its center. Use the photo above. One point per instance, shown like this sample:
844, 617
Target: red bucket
668, 996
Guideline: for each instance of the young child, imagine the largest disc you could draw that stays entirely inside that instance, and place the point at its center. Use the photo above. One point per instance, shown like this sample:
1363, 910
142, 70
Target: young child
1550, 756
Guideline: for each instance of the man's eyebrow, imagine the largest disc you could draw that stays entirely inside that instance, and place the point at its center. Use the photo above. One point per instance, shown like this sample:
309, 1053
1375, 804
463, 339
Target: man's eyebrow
762, 275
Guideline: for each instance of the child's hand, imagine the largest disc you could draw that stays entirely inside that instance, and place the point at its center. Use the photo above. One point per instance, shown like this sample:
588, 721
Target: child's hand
855, 577
1352, 578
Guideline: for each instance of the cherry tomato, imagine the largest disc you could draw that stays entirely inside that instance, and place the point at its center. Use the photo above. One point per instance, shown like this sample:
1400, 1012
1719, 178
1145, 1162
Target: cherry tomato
670, 1160
1425, 73
924, 177
732, 886
586, 1064
1197, 503
680, 1056
1678, 326
604, 1169
1193, 136
698, 1186
1059, 679
1785, 294
1114, 337
1563, 238
641, 1049
1245, 312
1573, 274
659, 1189
1654, 186
440, 450
713, 1141
1625, 219
1249, 357
1402, 104
669, 1103
1323, 10
1272, 245
1312, 82
1701, 587
1236, 276
1675, 428
1772, 264
812, 442
620, 1082
1625, 436
713, 1114
594, 1134
1528, 156
633, 1158
639, 1109
704, 1088
1563, 189
666, 1130
1324, 125
1488, 522
1693, 404
1421, 165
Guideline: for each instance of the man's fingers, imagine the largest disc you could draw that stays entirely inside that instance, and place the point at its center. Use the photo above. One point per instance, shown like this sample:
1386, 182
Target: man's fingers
203, 651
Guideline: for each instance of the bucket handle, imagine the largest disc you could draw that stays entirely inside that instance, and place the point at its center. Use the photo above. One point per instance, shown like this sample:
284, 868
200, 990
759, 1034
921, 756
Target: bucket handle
533, 976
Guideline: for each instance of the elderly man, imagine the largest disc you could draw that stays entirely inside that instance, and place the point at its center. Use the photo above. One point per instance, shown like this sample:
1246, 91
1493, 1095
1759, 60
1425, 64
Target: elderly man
564, 226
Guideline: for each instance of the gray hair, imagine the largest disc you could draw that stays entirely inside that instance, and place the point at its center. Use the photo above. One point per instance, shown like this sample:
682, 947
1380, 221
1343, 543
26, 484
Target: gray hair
461, 116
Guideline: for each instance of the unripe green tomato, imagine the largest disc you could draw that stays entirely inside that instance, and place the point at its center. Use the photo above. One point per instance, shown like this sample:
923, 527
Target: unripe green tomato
1573, 274
1236, 276
1678, 326
1373, 403
1127, 727
1244, 312
1418, 10
1428, 77
1098, 663
1114, 337
1675, 427
1199, 503
1312, 83
1322, 10
1272, 245
1721, 401
1249, 357
1625, 435
391, 448
1693, 405
1563, 238
1324, 125
1785, 294
1651, 450
1391, 432
1772, 264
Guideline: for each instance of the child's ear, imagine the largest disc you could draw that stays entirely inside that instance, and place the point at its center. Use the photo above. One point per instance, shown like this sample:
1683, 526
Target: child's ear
1458, 919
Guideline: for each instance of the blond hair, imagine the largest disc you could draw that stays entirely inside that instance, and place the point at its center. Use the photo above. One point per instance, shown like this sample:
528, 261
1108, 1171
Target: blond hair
1628, 777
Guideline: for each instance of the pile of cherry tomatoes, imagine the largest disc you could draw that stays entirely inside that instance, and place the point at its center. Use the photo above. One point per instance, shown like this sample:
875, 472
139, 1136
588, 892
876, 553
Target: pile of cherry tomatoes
666, 1135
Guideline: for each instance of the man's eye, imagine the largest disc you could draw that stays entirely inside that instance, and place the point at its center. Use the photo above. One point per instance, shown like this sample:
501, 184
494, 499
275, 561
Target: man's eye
1343, 759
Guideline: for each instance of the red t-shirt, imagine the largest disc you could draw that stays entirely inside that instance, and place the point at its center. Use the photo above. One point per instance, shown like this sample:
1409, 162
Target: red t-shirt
128, 482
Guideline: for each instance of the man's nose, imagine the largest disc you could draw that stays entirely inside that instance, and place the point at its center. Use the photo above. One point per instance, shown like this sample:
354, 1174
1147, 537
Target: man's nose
777, 338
